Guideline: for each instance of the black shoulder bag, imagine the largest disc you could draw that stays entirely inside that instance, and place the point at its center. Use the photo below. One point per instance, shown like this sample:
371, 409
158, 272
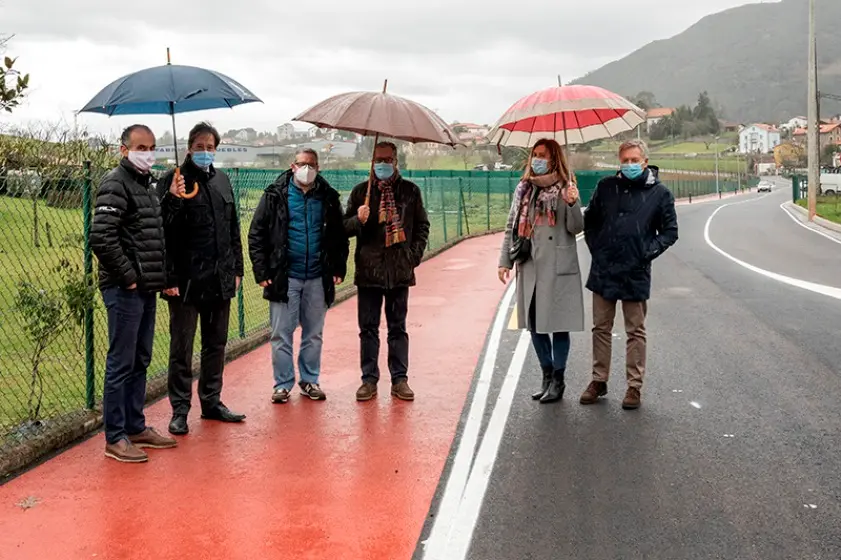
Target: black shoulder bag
520, 249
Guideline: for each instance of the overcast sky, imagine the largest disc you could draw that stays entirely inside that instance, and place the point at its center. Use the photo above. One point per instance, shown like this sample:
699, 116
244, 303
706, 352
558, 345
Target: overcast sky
464, 58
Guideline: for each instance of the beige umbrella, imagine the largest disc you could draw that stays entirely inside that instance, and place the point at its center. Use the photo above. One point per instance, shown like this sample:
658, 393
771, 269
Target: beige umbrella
380, 114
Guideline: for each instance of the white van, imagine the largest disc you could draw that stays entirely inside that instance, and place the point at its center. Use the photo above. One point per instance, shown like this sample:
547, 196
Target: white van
830, 183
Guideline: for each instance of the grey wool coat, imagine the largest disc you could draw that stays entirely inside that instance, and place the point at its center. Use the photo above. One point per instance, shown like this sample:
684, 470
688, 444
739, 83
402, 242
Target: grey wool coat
552, 276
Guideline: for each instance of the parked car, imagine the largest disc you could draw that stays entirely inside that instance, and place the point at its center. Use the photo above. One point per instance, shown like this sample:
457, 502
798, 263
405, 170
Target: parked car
765, 186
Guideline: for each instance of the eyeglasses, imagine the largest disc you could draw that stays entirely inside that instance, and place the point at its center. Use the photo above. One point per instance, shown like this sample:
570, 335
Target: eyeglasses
384, 160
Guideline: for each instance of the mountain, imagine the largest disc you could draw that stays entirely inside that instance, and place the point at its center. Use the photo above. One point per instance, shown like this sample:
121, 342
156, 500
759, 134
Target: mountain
752, 60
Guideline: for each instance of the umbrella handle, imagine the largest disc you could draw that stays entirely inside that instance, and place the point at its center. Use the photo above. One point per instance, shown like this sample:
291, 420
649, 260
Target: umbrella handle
186, 196
191, 194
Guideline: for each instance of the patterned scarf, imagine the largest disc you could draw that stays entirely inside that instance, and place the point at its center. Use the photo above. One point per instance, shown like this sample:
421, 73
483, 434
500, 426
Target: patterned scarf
546, 206
388, 211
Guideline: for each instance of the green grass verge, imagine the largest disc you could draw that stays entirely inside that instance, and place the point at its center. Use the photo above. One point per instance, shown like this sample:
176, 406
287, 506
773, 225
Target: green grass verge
828, 207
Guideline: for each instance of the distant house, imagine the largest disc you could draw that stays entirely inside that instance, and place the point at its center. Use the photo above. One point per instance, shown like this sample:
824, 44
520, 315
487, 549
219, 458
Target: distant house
286, 132
759, 138
830, 134
653, 116
726, 126
470, 132
795, 123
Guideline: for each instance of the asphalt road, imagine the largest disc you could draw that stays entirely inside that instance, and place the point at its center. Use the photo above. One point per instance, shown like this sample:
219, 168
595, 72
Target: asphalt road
735, 453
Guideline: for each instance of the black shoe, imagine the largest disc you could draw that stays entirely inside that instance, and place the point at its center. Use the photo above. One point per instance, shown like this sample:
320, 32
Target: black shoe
555, 392
547, 378
222, 414
178, 425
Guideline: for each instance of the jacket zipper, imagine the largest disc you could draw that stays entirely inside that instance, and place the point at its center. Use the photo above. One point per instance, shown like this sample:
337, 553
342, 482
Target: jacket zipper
307, 238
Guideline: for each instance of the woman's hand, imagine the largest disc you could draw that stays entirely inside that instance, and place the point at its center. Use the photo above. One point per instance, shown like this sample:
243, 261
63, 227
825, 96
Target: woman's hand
571, 194
504, 274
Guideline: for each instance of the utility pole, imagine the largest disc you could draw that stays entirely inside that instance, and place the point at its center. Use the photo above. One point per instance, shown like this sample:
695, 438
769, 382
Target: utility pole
813, 129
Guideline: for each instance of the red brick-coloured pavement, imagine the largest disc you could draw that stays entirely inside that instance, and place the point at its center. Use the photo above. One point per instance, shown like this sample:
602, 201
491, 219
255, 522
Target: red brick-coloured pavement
306, 480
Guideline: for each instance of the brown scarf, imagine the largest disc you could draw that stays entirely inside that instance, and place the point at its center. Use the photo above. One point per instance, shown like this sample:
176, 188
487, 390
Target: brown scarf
546, 205
388, 211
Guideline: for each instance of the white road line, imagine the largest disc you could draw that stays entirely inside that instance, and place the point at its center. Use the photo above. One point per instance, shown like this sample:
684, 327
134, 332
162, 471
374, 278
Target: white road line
797, 283
461, 534
460, 470
804, 226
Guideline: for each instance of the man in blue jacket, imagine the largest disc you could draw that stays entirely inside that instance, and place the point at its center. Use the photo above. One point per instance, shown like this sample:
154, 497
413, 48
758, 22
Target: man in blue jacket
630, 221
299, 251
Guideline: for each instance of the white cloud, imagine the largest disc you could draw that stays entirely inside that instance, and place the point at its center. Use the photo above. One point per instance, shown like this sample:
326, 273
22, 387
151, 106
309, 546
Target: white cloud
469, 60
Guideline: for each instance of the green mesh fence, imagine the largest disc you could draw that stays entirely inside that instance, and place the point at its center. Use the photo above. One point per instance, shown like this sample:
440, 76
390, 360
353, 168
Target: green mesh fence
53, 329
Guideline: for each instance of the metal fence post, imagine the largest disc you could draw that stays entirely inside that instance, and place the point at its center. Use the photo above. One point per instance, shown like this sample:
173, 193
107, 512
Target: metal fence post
87, 218
488, 199
240, 297
444, 211
459, 229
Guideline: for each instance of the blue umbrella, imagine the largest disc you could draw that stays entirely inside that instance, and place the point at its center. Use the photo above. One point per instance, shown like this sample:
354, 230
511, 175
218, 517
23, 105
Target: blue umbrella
167, 90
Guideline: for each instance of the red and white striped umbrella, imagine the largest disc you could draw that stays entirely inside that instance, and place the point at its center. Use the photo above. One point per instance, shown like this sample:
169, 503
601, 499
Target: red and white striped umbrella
568, 114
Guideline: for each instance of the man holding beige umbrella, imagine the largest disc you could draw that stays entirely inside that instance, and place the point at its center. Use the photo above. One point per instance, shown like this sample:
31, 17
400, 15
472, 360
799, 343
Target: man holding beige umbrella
390, 244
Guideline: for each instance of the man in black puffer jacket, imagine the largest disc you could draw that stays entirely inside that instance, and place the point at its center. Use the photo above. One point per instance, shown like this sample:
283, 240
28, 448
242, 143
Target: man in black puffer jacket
629, 222
127, 238
204, 271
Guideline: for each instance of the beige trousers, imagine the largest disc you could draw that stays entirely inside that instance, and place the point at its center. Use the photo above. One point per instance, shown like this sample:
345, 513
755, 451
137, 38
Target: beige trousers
604, 313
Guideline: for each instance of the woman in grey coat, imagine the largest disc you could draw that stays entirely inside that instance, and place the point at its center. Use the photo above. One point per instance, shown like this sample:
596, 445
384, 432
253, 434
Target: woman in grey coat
550, 302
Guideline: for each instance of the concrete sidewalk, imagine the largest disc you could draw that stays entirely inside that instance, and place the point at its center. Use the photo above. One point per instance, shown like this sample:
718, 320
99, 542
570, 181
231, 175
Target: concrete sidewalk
335, 479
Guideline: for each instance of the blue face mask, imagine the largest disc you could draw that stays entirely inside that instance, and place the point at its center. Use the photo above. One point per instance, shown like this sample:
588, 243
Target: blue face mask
540, 166
203, 159
632, 170
383, 171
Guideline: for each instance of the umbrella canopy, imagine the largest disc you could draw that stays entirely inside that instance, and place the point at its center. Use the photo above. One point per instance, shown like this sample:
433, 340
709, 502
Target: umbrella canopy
568, 114
384, 114
167, 90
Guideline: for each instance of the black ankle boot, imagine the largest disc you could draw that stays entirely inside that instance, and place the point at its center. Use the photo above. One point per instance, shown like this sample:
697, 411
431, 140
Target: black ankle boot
555, 392
547, 379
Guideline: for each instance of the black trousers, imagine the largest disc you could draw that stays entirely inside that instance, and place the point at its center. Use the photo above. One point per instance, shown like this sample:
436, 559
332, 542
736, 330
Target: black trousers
370, 304
214, 335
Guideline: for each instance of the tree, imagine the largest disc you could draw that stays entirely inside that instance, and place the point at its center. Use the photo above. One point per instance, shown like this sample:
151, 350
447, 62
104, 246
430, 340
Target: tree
46, 315
13, 85
645, 100
828, 155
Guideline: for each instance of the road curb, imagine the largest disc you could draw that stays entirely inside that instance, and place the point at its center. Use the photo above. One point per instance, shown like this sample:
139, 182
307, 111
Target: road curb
821, 222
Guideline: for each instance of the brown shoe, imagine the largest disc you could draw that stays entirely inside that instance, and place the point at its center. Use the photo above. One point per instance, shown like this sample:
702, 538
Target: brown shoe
152, 439
402, 391
125, 452
632, 399
366, 392
594, 390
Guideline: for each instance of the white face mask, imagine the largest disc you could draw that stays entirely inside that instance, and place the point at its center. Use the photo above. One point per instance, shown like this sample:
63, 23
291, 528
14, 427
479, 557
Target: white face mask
305, 175
143, 161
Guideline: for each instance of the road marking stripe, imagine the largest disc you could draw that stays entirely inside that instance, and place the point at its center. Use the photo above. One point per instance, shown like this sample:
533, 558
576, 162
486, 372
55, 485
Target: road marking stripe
804, 226
797, 283
512, 321
461, 534
460, 470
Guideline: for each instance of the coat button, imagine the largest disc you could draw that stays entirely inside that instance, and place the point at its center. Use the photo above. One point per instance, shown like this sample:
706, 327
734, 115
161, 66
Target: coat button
550, 238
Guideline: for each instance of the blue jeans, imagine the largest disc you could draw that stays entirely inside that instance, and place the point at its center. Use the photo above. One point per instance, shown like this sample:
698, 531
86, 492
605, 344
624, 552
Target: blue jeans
305, 307
131, 333
552, 351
